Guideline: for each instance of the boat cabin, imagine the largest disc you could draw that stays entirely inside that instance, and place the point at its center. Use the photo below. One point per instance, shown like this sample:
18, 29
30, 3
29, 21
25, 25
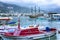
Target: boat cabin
56, 16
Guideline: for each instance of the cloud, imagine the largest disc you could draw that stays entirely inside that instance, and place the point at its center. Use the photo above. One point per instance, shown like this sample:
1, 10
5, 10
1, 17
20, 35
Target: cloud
36, 2
8, 0
57, 2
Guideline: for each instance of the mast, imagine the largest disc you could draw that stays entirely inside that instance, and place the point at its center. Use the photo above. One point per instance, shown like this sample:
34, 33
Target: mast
39, 10
17, 32
31, 9
19, 22
35, 9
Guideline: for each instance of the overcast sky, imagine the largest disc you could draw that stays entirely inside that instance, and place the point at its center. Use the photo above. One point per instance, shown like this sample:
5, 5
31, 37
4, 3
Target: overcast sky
45, 3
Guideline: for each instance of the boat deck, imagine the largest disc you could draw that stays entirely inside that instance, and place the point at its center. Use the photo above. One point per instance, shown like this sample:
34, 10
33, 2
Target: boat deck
27, 32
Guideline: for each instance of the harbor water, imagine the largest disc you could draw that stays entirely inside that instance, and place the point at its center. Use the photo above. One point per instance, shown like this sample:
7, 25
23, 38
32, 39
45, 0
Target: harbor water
26, 21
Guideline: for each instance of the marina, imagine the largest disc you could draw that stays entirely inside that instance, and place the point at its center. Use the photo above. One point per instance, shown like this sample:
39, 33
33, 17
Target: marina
43, 22
29, 20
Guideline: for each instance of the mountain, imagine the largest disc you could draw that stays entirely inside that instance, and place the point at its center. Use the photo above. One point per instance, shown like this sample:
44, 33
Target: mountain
7, 8
54, 10
12, 8
57, 10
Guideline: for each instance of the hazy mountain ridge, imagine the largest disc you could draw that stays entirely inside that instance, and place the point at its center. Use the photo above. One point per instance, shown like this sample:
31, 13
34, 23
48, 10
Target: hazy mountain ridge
6, 8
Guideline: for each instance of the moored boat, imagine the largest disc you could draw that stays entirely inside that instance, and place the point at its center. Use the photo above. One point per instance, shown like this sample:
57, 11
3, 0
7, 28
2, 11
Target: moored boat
33, 32
29, 33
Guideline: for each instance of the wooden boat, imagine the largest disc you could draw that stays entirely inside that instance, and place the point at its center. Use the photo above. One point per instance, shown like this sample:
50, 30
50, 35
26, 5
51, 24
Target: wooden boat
31, 16
29, 33
35, 15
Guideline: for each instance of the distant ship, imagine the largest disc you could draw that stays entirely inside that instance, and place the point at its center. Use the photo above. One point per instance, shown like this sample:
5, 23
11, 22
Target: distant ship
33, 16
36, 13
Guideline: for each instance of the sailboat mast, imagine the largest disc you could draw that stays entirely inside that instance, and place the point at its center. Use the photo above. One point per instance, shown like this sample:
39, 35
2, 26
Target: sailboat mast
35, 9
39, 10
31, 9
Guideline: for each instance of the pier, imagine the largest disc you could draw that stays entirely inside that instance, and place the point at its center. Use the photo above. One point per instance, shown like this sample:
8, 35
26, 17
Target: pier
22, 14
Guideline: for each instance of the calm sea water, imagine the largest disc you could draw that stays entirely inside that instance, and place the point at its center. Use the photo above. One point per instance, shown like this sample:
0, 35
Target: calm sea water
26, 21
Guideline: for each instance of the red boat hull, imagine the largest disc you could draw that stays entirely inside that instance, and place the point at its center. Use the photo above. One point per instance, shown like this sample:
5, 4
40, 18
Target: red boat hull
27, 32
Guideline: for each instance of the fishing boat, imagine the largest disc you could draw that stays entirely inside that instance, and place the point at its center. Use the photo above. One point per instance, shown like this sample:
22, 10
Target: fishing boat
30, 33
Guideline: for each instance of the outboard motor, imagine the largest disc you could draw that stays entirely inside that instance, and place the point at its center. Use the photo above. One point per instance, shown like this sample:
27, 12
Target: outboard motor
47, 29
